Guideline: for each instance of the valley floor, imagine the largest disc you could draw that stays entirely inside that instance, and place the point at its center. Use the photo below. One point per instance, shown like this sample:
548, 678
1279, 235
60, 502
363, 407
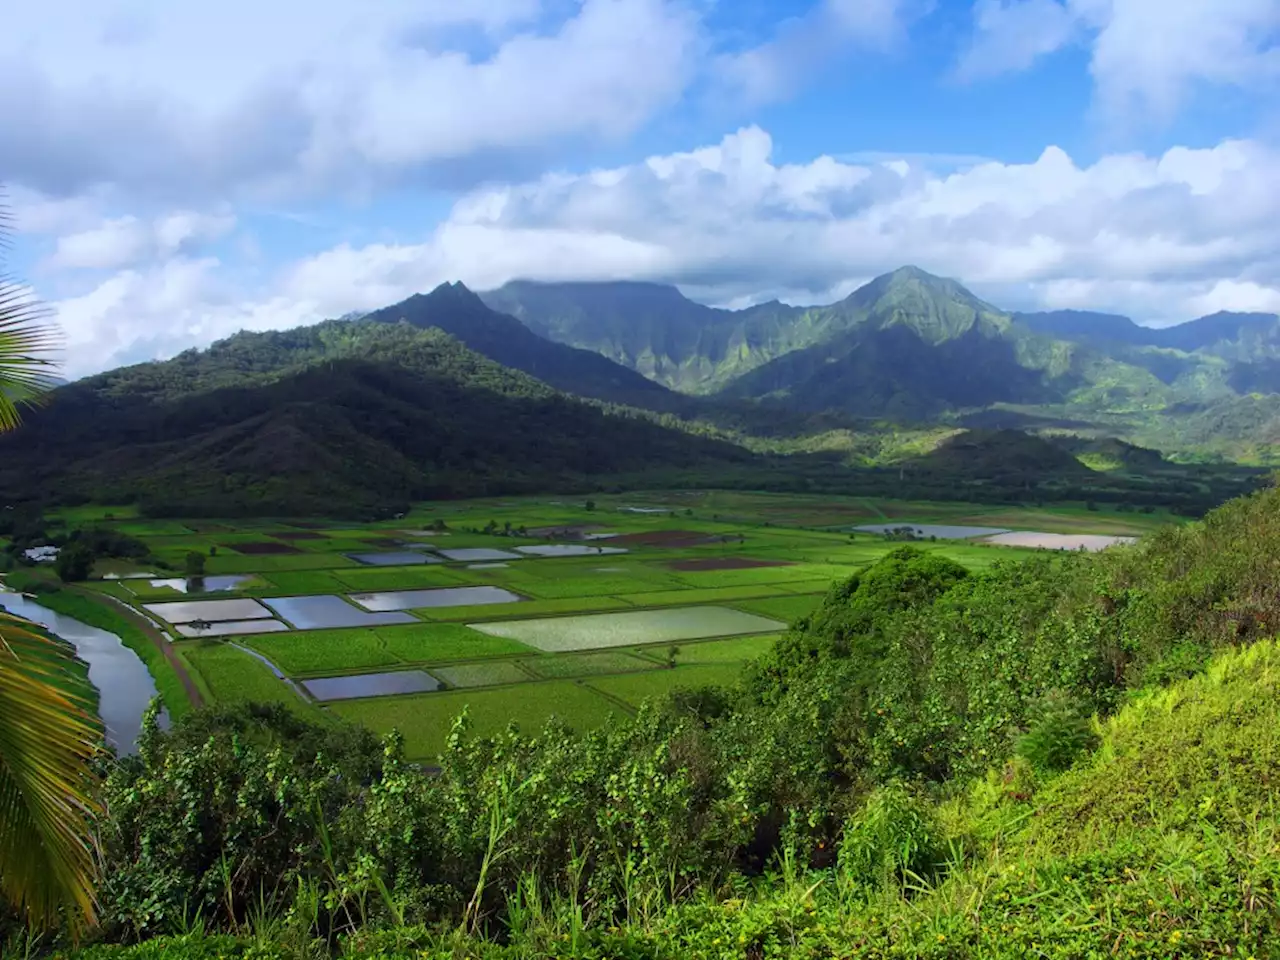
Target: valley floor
700, 582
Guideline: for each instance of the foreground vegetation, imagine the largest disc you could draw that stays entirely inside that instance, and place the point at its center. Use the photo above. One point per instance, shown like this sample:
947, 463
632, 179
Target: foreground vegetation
1066, 755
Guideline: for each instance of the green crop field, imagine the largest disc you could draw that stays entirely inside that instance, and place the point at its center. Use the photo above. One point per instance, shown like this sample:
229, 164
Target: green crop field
594, 636
424, 719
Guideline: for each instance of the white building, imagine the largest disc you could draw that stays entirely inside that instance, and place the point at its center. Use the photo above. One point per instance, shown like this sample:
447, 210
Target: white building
41, 554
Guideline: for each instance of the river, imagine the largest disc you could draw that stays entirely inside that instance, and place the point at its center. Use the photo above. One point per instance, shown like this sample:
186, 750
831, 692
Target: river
125, 688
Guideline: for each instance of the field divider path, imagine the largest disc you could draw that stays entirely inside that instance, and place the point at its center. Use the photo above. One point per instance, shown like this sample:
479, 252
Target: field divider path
157, 637
627, 708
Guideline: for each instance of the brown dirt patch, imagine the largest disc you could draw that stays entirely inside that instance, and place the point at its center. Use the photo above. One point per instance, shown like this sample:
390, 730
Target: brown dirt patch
725, 563
299, 535
383, 543
306, 524
669, 538
259, 547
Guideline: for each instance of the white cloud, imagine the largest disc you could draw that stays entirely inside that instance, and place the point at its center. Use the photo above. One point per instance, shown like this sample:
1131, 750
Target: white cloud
1146, 54
1161, 238
774, 69
126, 241
1013, 34
184, 101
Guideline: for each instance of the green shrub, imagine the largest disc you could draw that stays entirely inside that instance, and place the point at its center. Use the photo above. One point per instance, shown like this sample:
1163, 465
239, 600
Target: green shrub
894, 840
1055, 741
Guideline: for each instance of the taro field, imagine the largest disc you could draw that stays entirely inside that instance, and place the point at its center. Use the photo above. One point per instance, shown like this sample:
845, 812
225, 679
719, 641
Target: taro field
522, 609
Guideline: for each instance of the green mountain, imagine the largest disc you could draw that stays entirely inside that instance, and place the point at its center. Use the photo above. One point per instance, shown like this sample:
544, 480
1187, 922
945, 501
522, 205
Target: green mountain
921, 347
912, 347
657, 331
453, 308
354, 418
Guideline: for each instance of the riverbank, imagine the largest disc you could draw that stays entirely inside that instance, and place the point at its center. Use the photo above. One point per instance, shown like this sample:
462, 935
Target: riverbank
178, 691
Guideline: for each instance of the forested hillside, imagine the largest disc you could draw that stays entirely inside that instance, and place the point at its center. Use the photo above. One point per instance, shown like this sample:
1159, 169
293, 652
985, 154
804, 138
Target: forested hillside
913, 348
454, 309
1073, 755
345, 418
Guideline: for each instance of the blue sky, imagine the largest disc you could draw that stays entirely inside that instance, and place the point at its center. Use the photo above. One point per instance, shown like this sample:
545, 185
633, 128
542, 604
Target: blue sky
182, 171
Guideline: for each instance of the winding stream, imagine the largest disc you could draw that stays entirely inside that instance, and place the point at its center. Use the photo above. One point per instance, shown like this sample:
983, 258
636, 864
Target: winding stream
125, 688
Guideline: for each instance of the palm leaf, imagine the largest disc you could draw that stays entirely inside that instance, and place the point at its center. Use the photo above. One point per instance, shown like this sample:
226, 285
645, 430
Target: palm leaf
27, 343
48, 736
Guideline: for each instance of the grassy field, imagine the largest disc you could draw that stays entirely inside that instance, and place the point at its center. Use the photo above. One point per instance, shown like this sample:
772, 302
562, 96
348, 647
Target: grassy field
764, 559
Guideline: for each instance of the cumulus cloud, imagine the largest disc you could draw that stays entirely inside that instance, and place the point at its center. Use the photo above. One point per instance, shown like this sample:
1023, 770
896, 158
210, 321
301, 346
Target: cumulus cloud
189, 100
1161, 238
1146, 54
126, 241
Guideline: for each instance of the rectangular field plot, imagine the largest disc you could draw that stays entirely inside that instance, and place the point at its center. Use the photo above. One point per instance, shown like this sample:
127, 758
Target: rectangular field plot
568, 550
677, 598
424, 719
477, 554
232, 676
635, 688
399, 558
529, 608
188, 611
232, 628
556, 634
371, 685
589, 585
266, 563
318, 613
422, 577
335, 651
446, 597
587, 664
491, 674
787, 609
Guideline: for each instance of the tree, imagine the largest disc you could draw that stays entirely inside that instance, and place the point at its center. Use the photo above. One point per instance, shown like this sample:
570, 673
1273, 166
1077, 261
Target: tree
195, 564
74, 563
47, 734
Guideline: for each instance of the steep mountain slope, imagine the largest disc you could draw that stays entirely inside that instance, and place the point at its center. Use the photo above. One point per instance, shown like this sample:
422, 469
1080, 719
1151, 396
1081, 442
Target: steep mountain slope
924, 347
656, 330
916, 347
343, 418
453, 308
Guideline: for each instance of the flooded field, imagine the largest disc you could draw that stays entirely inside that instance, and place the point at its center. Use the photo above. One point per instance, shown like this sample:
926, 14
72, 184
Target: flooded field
400, 558
555, 634
476, 554
201, 584
319, 613
188, 611
371, 685
442, 597
231, 628
943, 531
568, 550
1058, 541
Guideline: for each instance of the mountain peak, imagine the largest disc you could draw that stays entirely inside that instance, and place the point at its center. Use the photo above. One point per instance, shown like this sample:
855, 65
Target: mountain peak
450, 292
911, 272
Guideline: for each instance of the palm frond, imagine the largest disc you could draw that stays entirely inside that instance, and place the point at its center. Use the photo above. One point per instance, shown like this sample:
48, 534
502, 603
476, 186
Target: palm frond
48, 736
28, 342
